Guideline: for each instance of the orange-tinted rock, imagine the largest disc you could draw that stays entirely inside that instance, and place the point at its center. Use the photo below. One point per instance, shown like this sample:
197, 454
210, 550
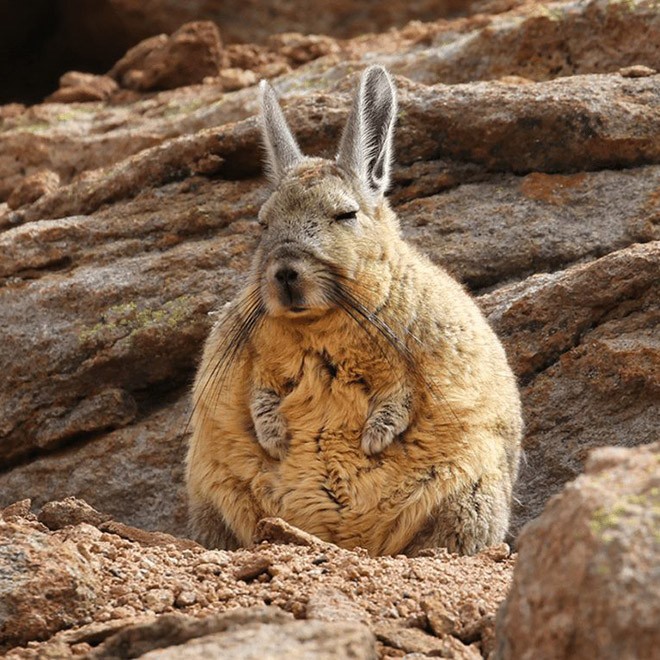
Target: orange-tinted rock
77, 87
193, 52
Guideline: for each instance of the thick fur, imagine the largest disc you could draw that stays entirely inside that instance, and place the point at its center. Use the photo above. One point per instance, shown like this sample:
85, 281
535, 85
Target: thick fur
363, 398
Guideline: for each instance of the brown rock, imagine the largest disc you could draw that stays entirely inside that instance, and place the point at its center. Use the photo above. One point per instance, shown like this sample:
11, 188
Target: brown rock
475, 122
328, 604
32, 188
440, 620
139, 584
18, 509
176, 629
413, 640
252, 569
70, 511
301, 48
487, 232
244, 22
147, 539
193, 52
231, 79
77, 87
538, 41
636, 71
296, 640
587, 583
583, 342
46, 585
140, 467
276, 530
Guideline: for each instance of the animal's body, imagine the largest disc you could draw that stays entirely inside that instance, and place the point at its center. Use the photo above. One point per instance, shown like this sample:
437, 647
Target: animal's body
353, 388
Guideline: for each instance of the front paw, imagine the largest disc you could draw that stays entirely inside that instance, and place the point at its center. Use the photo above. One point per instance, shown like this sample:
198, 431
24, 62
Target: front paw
376, 437
272, 436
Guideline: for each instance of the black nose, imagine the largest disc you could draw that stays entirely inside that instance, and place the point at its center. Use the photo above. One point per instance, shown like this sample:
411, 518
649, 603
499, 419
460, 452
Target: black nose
286, 275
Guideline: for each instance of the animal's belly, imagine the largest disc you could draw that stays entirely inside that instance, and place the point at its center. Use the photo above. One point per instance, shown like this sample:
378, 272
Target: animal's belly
329, 487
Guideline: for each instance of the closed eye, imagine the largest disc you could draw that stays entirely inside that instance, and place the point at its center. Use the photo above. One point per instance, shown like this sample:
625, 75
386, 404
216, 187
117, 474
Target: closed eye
349, 215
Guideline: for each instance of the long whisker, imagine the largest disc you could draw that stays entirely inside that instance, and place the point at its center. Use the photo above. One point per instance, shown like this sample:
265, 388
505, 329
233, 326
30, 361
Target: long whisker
361, 286
241, 324
344, 299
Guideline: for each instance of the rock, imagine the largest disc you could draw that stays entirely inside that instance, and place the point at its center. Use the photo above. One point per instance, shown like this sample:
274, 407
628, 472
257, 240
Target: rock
77, 87
253, 569
583, 342
508, 227
440, 620
46, 584
327, 604
231, 79
20, 509
538, 42
288, 641
33, 187
476, 122
636, 71
159, 600
587, 583
413, 640
193, 52
146, 539
70, 511
276, 530
176, 629
140, 467
299, 48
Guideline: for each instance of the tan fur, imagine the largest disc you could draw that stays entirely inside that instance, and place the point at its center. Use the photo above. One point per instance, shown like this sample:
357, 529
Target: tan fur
446, 480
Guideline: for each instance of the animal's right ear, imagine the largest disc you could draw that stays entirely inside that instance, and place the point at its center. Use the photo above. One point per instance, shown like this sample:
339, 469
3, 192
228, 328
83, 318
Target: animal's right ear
366, 144
281, 147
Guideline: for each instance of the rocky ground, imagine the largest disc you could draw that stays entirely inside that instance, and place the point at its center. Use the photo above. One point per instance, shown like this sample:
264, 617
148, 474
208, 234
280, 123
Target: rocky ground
528, 163
587, 585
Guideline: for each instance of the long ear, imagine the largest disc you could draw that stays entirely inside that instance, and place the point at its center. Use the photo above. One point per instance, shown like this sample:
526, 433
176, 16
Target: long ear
281, 147
366, 144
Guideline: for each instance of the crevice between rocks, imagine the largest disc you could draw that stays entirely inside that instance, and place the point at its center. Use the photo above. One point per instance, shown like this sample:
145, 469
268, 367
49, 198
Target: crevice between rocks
148, 401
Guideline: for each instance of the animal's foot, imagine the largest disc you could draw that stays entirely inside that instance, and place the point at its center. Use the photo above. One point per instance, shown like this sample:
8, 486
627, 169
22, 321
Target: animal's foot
376, 437
269, 424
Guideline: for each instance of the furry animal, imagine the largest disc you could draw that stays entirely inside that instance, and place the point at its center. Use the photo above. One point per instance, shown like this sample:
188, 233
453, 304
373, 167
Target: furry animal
352, 388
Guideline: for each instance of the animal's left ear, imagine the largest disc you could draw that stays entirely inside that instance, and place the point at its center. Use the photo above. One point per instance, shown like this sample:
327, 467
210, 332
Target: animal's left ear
366, 144
281, 147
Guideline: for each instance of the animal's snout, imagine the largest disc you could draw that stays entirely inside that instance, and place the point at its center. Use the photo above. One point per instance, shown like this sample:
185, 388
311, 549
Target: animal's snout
286, 275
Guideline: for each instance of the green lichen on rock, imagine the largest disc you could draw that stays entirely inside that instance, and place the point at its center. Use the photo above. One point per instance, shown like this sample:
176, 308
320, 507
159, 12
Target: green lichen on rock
128, 319
635, 509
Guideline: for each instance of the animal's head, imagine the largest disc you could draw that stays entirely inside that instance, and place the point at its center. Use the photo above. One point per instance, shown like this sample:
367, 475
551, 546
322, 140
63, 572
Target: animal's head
326, 219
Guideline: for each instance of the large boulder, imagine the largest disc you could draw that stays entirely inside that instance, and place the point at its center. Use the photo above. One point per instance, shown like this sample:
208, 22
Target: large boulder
587, 579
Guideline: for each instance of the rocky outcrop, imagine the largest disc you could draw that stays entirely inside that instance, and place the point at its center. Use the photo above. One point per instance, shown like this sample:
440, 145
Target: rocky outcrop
130, 219
587, 581
98, 588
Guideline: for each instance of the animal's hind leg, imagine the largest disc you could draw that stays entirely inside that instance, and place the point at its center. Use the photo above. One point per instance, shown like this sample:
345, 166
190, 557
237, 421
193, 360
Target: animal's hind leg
467, 522
208, 527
